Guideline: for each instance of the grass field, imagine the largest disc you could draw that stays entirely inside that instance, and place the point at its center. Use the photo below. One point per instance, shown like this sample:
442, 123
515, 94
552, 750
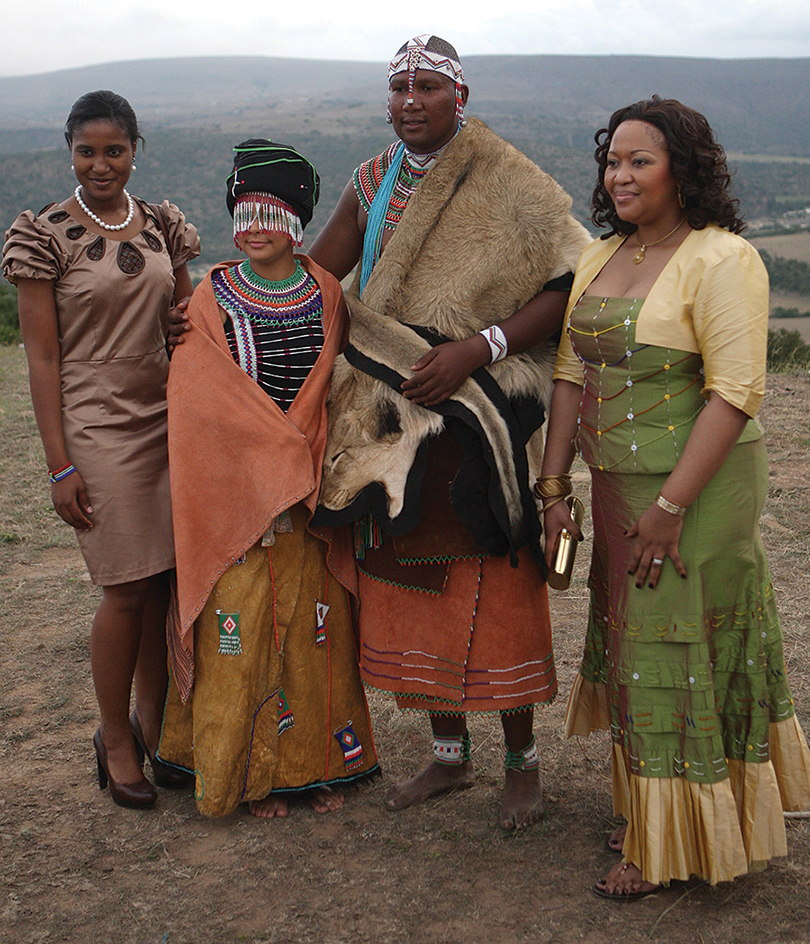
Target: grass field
78, 869
790, 246
737, 157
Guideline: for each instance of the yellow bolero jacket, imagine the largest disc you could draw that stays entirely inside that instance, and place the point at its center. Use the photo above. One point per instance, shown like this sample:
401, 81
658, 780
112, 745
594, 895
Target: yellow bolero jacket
710, 299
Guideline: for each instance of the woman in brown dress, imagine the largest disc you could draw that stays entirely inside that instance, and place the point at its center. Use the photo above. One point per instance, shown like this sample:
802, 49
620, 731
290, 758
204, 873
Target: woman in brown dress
95, 276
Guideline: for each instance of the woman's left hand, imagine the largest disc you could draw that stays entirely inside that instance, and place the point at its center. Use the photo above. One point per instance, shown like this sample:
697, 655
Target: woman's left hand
657, 534
440, 372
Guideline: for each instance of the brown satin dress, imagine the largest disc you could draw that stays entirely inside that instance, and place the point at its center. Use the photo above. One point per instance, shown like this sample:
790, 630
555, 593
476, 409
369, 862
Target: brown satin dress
112, 300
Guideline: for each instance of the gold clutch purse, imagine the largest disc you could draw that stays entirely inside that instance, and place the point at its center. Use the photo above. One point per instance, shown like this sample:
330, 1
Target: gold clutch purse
560, 574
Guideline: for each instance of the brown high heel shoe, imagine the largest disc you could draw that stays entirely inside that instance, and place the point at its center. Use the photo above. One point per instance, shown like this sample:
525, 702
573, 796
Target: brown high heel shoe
163, 774
134, 795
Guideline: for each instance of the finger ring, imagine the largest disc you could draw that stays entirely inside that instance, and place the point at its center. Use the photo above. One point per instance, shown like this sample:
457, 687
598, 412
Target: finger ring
658, 560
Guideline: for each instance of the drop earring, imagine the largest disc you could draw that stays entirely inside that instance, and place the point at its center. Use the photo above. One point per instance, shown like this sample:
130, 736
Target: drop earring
460, 107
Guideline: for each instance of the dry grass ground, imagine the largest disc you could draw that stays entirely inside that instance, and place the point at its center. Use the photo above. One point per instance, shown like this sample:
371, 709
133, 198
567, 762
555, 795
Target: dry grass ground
78, 869
802, 325
789, 246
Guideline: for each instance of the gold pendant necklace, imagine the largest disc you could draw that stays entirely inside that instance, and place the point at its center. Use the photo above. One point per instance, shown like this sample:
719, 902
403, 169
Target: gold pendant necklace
638, 258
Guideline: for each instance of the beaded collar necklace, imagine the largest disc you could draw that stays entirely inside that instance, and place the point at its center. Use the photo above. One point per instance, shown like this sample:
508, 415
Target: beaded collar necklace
295, 300
412, 169
424, 161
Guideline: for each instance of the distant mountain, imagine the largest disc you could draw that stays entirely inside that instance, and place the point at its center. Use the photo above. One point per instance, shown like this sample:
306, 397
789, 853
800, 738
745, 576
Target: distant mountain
192, 111
755, 105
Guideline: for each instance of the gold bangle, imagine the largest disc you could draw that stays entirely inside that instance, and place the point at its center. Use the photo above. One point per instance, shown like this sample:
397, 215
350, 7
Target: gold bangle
551, 502
552, 486
670, 507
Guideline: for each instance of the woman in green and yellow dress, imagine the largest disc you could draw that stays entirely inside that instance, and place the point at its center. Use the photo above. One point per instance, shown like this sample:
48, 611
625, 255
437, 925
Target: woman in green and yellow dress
659, 378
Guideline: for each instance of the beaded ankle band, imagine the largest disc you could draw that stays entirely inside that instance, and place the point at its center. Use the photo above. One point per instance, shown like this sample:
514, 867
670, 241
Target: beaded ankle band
452, 751
527, 759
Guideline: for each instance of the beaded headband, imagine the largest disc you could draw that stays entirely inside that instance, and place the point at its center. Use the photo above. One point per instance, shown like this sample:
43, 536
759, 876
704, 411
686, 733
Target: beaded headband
433, 54
271, 213
427, 52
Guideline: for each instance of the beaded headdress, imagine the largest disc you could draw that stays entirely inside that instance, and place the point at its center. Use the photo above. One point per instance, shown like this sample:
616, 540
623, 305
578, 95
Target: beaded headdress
280, 187
434, 54
271, 213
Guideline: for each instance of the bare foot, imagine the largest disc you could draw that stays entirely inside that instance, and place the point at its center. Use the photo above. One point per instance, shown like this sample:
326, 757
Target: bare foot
324, 800
624, 883
522, 799
434, 780
270, 807
615, 841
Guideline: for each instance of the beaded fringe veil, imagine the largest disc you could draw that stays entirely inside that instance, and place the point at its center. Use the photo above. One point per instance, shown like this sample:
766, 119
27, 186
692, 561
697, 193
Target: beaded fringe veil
272, 214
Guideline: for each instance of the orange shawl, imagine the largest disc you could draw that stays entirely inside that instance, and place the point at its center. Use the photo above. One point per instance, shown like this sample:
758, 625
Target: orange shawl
236, 460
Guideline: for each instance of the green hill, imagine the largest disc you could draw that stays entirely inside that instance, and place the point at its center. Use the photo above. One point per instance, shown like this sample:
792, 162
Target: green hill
192, 112
755, 105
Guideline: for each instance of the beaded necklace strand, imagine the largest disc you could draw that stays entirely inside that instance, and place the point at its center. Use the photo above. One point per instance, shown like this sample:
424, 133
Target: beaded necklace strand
274, 329
295, 300
412, 169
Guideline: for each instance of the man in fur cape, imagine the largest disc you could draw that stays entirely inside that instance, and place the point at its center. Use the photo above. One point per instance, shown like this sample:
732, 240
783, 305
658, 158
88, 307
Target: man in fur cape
466, 251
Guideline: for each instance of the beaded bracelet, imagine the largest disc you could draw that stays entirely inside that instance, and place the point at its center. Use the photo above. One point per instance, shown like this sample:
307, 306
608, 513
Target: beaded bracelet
496, 339
59, 474
671, 507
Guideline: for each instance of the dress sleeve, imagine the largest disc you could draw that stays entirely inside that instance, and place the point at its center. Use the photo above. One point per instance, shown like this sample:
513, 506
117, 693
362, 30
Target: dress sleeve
184, 243
32, 251
568, 366
730, 315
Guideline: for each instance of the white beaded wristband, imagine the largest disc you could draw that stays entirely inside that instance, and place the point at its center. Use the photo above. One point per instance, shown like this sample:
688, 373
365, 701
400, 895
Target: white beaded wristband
496, 340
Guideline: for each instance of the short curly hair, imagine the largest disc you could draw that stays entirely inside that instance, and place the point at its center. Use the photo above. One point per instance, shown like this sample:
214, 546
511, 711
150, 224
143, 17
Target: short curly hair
697, 163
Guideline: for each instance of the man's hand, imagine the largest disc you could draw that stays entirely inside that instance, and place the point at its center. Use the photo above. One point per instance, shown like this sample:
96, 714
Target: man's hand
178, 324
439, 373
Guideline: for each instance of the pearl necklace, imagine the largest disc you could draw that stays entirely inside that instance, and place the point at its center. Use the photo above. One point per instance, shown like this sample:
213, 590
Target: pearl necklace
97, 219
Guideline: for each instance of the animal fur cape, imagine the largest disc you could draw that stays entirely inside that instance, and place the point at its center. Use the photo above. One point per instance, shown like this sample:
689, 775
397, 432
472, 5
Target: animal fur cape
236, 460
482, 234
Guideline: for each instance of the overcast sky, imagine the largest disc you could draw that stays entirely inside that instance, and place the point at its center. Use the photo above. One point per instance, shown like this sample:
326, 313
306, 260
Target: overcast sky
45, 35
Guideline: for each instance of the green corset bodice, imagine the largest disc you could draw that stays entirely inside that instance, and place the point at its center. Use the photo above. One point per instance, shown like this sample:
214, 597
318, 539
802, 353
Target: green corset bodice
639, 401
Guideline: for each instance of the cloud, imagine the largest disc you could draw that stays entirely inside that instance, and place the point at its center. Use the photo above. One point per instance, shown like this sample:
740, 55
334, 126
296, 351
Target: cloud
50, 35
